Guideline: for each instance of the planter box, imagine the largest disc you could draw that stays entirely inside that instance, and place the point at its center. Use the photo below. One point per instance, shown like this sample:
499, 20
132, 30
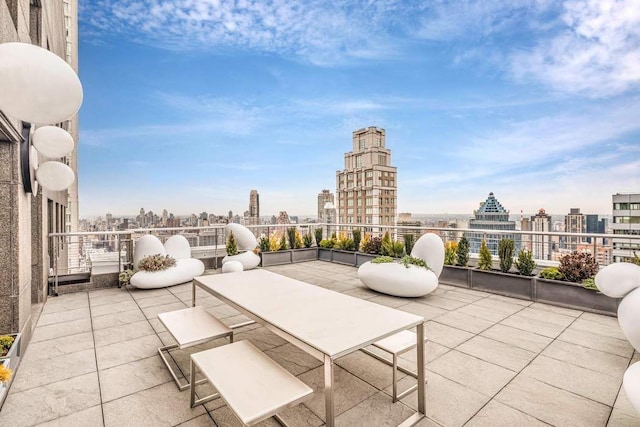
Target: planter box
361, 258
325, 254
275, 258
343, 257
304, 254
574, 295
11, 360
455, 276
511, 285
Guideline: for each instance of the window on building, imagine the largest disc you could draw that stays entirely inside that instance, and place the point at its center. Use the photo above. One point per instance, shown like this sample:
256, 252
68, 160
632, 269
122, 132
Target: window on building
361, 144
368, 220
350, 211
369, 183
359, 202
382, 159
369, 201
369, 211
369, 174
358, 161
350, 202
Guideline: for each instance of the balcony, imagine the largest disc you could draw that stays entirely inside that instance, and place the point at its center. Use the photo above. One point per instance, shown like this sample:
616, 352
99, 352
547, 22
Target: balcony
92, 360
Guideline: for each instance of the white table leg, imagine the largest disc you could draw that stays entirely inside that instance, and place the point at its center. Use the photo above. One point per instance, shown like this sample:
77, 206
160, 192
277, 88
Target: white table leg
193, 293
421, 369
328, 391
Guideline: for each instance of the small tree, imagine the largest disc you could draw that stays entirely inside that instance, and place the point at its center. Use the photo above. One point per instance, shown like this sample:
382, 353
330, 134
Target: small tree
409, 241
485, 262
318, 235
357, 236
387, 244
307, 240
505, 252
283, 243
525, 263
291, 236
578, 266
450, 252
462, 252
232, 246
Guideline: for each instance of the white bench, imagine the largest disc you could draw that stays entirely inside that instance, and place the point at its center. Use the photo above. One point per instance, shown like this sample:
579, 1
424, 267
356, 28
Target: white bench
396, 345
253, 386
188, 327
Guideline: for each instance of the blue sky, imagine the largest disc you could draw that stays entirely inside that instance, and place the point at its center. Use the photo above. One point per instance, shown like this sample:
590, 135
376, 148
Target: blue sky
188, 105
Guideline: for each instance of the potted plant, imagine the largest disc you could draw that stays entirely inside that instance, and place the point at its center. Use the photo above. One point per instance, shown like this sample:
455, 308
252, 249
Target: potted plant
124, 278
409, 241
525, 263
456, 257
9, 359
365, 250
485, 261
406, 277
563, 285
277, 252
303, 250
343, 249
392, 248
505, 253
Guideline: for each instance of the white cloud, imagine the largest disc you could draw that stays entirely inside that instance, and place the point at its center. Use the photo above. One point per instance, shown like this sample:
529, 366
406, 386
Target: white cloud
596, 55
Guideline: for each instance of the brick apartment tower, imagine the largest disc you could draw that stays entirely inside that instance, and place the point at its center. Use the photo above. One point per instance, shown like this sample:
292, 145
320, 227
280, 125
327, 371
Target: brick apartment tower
366, 190
254, 208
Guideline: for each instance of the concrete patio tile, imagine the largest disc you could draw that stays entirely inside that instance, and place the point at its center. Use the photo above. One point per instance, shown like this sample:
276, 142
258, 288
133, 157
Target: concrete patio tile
36, 373
360, 292
551, 404
465, 322
127, 351
481, 312
152, 312
63, 316
117, 319
337, 286
558, 310
624, 405
222, 311
596, 360
500, 306
53, 348
427, 311
440, 302
580, 381
469, 371
597, 342
517, 337
236, 320
389, 301
121, 296
527, 322
608, 329
224, 417
139, 294
378, 410
121, 306
369, 369
457, 295
60, 330
446, 335
260, 337
432, 351
91, 417
159, 300
203, 420
495, 414
498, 353
133, 377
50, 402
300, 415
348, 390
160, 405
509, 300
293, 359
447, 402
107, 292
607, 320
58, 305
65, 299
622, 419
120, 333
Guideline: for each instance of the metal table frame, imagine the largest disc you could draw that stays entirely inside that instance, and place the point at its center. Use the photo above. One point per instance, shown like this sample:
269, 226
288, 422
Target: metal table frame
328, 360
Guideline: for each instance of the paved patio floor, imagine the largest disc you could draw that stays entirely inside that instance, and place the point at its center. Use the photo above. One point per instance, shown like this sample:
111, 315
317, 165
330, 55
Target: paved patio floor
492, 361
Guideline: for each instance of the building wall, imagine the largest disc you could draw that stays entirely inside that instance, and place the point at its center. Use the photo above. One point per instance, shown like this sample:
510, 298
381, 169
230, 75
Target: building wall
626, 221
366, 189
24, 252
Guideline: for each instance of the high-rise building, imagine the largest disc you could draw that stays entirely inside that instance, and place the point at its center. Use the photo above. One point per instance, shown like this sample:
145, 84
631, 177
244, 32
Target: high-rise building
25, 256
323, 198
574, 222
541, 245
490, 216
366, 188
626, 221
254, 208
283, 218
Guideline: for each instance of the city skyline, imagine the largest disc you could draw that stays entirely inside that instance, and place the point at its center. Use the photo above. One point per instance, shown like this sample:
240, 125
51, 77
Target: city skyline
535, 101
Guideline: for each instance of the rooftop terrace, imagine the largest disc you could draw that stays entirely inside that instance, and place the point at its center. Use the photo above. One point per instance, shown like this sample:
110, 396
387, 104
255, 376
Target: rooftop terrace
492, 360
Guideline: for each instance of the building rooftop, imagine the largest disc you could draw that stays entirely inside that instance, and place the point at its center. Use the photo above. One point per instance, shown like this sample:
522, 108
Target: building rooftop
492, 360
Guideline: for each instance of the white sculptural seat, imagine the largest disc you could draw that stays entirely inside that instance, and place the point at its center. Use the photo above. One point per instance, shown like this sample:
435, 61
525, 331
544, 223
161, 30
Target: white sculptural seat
177, 247
246, 242
412, 281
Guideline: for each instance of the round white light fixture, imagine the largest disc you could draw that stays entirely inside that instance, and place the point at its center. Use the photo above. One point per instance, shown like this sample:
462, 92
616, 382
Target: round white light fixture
55, 176
36, 85
52, 141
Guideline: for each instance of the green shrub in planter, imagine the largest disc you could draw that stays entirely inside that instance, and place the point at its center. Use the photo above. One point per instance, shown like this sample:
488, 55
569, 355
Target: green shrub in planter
382, 260
450, 249
291, 237
156, 262
485, 262
391, 248
327, 243
409, 241
6, 341
408, 260
551, 273
357, 237
578, 266
264, 244
590, 283
318, 235
232, 246
307, 240
525, 263
505, 252
373, 246
462, 253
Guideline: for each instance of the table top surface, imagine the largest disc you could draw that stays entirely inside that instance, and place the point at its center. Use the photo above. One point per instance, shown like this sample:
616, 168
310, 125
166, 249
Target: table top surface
330, 322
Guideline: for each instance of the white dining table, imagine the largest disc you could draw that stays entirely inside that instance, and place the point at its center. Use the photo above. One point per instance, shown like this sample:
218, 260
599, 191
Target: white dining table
321, 322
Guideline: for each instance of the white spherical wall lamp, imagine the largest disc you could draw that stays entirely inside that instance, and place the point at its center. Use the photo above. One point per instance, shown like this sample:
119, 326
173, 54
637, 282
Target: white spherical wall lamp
52, 141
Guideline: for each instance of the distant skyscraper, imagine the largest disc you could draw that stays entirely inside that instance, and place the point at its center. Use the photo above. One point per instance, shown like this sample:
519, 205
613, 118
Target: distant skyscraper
323, 198
367, 187
626, 221
165, 217
574, 222
283, 218
254, 208
541, 245
490, 216
405, 219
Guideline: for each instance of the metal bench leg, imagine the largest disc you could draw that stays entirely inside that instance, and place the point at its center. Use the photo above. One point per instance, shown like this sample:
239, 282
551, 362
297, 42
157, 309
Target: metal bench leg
181, 387
192, 387
395, 378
